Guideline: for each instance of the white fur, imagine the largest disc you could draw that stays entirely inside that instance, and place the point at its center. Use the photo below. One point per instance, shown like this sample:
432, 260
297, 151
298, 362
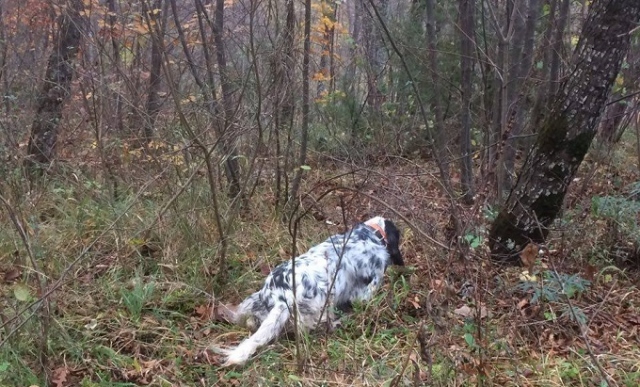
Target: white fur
356, 260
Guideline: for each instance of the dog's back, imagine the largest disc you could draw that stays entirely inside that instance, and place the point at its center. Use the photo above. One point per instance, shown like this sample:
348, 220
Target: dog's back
344, 268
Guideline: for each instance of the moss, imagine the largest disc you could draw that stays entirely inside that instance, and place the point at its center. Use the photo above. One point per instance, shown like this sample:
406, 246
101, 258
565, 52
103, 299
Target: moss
514, 236
553, 134
546, 207
579, 146
504, 227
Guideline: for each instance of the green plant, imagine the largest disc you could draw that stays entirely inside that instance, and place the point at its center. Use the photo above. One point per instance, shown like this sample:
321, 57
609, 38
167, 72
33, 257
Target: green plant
474, 241
553, 285
490, 213
621, 211
568, 370
135, 299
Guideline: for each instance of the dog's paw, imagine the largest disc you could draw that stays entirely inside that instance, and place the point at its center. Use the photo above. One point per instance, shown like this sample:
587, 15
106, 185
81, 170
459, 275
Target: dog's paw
335, 325
230, 357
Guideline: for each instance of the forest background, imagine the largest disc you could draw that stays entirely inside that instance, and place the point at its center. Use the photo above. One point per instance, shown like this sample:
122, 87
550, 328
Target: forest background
160, 157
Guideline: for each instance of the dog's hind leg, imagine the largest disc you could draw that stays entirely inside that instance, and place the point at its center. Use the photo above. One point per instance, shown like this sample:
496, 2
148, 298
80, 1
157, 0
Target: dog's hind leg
270, 328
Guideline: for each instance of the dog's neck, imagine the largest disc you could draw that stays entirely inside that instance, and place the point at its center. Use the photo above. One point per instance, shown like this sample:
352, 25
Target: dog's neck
375, 224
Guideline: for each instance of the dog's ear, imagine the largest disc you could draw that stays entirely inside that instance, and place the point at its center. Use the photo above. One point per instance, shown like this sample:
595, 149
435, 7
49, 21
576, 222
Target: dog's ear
393, 243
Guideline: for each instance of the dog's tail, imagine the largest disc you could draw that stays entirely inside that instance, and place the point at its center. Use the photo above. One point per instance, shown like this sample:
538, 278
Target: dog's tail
270, 328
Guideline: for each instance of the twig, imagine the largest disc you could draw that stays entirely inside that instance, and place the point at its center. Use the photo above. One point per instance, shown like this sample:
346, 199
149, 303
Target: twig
37, 303
396, 380
42, 283
583, 334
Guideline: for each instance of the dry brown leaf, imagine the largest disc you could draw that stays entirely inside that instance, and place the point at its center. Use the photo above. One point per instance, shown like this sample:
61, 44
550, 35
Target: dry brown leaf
590, 272
12, 274
415, 304
466, 311
529, 256
225, 312
463, 311
203, 312
59, 378
265, 269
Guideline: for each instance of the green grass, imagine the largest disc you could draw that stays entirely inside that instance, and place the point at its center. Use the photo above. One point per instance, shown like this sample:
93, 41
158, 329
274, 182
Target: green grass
132, 310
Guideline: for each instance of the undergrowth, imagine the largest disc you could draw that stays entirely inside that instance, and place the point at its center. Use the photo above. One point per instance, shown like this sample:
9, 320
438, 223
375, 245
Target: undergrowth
136, 276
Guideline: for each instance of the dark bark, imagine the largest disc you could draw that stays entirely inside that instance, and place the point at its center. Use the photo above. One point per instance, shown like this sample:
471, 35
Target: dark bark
611, 121
556, 51
435, 85
153, 103
374, 53
552, 61
516, 45
56, 87
283, 79
115, 45
232, 168
467, 44
304, 135
498, 98
616, 117
566, 134
517, 103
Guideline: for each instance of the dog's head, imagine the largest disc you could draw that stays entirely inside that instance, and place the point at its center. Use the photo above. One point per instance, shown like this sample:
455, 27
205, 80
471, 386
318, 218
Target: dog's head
393, 242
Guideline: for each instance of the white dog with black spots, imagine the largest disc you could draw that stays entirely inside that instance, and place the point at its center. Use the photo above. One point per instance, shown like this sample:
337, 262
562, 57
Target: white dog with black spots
342, 269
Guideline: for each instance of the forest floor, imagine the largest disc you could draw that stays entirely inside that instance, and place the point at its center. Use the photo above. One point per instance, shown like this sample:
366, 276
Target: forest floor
132, 285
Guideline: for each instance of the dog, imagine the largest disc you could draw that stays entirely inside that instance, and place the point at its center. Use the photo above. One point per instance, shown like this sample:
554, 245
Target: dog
342, 269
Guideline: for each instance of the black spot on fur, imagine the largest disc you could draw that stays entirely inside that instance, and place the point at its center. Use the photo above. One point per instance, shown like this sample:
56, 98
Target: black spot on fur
305, 308
279, 277
364, 281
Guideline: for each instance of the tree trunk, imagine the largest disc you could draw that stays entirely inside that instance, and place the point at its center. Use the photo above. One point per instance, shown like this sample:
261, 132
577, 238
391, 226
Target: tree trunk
156, 28
467, 43
517, 104
567, 132
284, 91
232, 168
115, 45
56, 87
499, 94
556, 50
328, 21
551, 70
615, 119
374, 52
436, 93
304, 135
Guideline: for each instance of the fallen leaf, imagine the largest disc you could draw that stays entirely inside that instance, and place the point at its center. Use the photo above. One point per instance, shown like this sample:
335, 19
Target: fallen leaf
12, 274
526, 276
529, 256
590, 272
204, 312
523, 303
265, 269
225, 312
21, 292
59, 377
92, 324
415, 304
466, 311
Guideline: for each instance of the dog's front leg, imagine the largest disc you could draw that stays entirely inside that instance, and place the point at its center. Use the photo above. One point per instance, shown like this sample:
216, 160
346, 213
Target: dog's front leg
371, 289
